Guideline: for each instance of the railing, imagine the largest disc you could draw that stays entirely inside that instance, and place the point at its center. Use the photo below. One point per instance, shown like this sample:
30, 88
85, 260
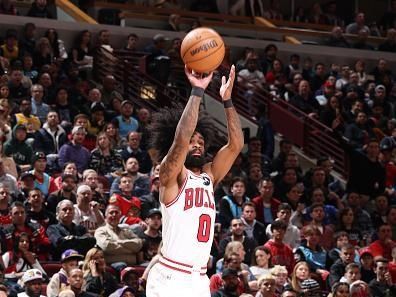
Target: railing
314, 138
129, 71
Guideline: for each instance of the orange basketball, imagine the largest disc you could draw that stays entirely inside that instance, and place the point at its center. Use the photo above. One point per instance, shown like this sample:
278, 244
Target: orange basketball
202, 50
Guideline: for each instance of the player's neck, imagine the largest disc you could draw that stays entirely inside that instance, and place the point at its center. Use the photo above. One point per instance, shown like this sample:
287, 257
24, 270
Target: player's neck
197, 170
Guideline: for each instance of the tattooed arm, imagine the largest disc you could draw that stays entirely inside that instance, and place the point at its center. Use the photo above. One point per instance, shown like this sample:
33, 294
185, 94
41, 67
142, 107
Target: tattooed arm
172, 170
226, 156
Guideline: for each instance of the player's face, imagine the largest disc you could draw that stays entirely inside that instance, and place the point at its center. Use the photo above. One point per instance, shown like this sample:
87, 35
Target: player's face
196, 149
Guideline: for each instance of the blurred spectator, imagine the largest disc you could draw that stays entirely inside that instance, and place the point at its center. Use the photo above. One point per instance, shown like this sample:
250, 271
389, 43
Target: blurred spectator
82, 120
362, 39
266, 204
174, 23
388, 20
383, 74
26, 118
120, 245
97, 279
17, 90
32, 281
76, 281
336, 38
305, 101
27, 42
7, 7
17, 148
337, 270
389, 45
299, 15
382, 247
332, 14
66, 234
67, 168
36, 212
39, 241
270, 54
5, 213
204, 6
74, 151
131, 44
274, 12
43, 53
230, 280
361, 217
302, 281
39, 9
382, 285
253, 228
359, 132
103, 40
10, 48
66, 191
133, 150
316, 15
39, 108
359, 24
285, 146
319, 77
81, 54
109, 90
8, 180
59, 52
126, 122
152, 236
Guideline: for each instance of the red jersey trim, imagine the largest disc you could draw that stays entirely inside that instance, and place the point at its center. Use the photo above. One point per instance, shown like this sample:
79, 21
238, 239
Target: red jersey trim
182, 264
178, 194
177, 269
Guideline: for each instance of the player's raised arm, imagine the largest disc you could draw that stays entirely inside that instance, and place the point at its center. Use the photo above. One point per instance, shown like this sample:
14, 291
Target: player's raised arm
172, 165
227, 154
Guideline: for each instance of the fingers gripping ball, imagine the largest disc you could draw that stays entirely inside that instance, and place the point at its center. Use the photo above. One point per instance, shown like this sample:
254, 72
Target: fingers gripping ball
202, 50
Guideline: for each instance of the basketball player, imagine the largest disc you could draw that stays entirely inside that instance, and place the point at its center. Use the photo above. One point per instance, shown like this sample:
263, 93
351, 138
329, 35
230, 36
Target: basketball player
186, 190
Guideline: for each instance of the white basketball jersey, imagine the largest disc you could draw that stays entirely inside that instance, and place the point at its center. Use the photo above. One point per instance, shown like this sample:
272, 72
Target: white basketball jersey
188, 222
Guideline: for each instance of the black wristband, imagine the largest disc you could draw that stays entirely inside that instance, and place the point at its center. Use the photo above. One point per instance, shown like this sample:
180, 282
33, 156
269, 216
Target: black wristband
196, 91
228, 103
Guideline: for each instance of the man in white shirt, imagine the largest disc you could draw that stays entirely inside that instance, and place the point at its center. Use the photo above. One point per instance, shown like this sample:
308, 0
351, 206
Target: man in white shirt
32, 281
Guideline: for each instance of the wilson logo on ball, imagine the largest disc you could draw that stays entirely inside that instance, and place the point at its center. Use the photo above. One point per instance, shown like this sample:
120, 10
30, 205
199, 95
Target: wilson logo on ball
204, 47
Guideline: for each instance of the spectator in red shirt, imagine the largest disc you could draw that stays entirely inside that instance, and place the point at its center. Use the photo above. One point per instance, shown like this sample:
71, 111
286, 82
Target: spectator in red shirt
281, 253
382, 247
266, 204
40, 241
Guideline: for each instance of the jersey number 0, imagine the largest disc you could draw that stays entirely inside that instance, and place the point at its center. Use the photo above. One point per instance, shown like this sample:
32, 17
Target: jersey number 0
205, 223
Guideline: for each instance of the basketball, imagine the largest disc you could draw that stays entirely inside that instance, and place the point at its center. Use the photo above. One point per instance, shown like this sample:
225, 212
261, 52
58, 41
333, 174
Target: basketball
202, 50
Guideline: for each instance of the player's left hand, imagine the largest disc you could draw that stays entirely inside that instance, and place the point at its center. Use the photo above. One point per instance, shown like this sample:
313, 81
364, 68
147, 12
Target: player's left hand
226, 85
198, 80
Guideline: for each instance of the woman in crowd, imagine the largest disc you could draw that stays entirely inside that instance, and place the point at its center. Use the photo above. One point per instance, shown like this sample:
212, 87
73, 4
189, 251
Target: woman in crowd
346, 220
20, 259
97, 279
62, 105
302, 282
112, 132
58, 46
331, 115
277, 74
261, 261
8, 163
340, 290
104, 159
231, 205
81, 52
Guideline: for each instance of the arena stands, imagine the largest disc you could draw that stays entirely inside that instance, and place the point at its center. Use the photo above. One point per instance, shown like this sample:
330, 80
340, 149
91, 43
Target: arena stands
76, 101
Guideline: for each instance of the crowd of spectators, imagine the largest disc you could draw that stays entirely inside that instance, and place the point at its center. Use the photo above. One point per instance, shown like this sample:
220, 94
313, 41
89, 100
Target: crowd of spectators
79, 188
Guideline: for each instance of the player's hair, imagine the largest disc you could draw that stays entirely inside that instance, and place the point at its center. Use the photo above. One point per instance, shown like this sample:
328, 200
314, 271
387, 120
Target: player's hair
163, 128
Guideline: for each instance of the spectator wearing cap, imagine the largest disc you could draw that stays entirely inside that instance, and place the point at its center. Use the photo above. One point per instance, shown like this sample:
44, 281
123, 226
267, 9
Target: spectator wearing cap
39, 108
124, 292
41, 178
74, 150
59, 281
18, 149
87, 211
40, 242
25, 117
120, 245
82, 120
152, 236
230, 279
66, 235
32, 281
69, 182
381, 99
129, 276
76, 283
36, 212
133, 150
126, 122
50, 137
8, 181
382, 285
25, 185
366, 265
105, 160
